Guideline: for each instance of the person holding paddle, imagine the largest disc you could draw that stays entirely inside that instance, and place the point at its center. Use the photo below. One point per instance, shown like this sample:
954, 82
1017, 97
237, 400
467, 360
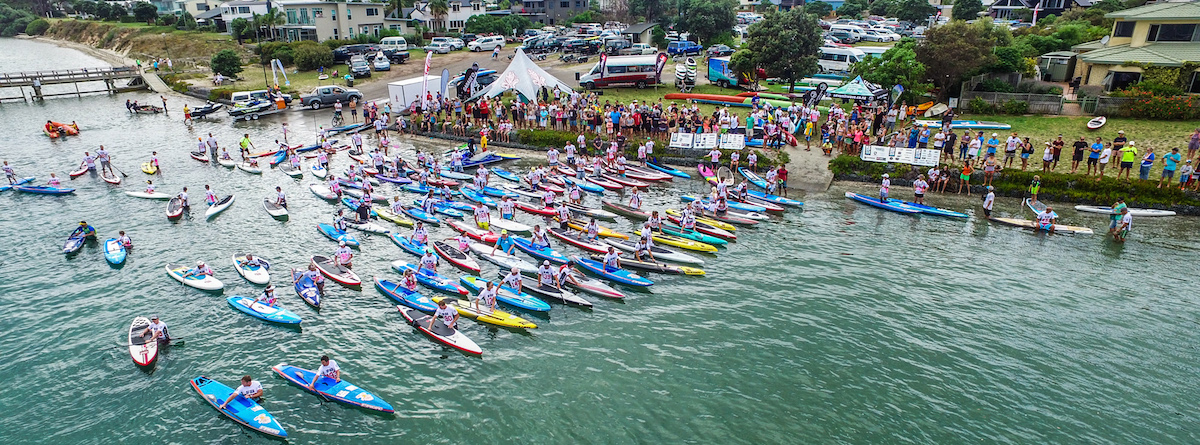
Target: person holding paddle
329, 369
488, 297
157, 329
249, 389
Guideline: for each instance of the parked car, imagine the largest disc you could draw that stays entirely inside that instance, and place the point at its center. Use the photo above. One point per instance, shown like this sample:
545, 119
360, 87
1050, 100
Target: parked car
719, 50
439, 47
396, 55
843, 37
247, 96
457, 43
469, 38
345, 52
382, 64
486, 43
445, 40
359, 67
684, 47
328, 94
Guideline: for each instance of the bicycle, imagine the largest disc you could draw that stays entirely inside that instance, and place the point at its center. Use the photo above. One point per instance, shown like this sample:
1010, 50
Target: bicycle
338, 120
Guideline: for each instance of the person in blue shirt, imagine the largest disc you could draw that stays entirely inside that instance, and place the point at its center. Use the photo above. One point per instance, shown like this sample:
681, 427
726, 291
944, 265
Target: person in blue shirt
85, 230
992, 144
923, 139
912, 137
1094, 157
1147, 162
1170, 161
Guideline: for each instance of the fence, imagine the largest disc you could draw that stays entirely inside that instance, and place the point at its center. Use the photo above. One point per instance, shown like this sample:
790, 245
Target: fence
1038, 103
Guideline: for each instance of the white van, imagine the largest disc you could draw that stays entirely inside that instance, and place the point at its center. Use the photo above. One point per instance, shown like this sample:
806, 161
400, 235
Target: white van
838, 59
639, 71
393, 43
857, 31
486, 43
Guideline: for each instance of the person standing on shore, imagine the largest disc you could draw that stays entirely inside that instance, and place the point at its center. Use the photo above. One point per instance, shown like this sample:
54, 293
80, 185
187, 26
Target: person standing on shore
919, 187
1094, 156
965, 177
1105, 156
989, 200
1010, 149
1170, 162
1185, 174
1193, 144
1077, 157
1128, 156
1147, 162
1057, 145
1047, 158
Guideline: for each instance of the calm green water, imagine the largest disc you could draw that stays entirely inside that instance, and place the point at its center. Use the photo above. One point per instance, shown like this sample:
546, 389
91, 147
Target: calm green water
838, 324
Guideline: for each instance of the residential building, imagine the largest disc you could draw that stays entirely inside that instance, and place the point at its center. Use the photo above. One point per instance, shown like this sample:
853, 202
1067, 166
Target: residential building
195, 7
240, 9
549, 12
323, 20
1161, 34
167, 6
456, 16
639, 33
1007, 9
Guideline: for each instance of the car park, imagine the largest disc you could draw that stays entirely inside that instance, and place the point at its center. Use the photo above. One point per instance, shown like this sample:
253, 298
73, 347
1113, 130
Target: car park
359, 67
438, 47
346, 52
719, 50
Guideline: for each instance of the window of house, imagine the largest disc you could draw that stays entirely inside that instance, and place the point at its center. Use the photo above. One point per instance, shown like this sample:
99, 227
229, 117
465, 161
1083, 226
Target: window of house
474, 6
1053, 4
456, 24
1195, 88
318, 13
304, 16
1121, 80
1172, 33
291, 16
1123, 29
564, 4
371, 12
243, 9
454, 7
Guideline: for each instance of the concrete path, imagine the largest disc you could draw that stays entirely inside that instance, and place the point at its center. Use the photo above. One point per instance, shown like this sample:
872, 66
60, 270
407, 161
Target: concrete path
808, 170
155, 83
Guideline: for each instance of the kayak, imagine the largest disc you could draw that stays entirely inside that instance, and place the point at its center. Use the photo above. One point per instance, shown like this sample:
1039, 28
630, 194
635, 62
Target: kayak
329, 389
670, 171
74, 243
420, 215
754, 178
604, 232
584, 185
930, 210
240, 409
483, 314
336, 272
44, 190
149, 168
607, 184
1032, 225
510, 225
756, 195
732, 204
625, 210
289, 170
591, 213
620, 276
456, 257
174, 208
505, 174
432, 280
255, 274
541, 253
114, 252
385, 214
439, 332
504, 260
142, 348
261, 311
1132, 211
576, 239
532, 286
625, 181
200, 156
275, 210
660, 253
306, 289
403, 295
218, 207
204, 282
252, 169
477, 196
874, 202
475, 233
648, 266
337, 235
318, 171
674, 235
407, 244
592, 286
111, 178
707, 173
322, 191
506, 295
155, 195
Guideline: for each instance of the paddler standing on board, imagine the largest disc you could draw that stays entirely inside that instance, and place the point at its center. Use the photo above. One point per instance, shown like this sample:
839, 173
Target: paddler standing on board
483, 217
105, 164
563, 215
884, 187
919, 187
1046, 219
10, 174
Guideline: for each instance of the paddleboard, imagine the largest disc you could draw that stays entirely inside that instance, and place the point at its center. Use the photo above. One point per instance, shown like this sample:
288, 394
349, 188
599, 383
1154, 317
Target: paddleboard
240, 409
142, 348
175, 208
204, 282
337, 235
1097, 122
44, 190
1032, 225
483, 314
144, 195
149, 168
620, 276
114, 252
246, 167
261, 311
1132, 211
456, 257
322, 191
306, 289
275, 210
439, 332
510, 225
504, 260
329, 389
405, 296
319, 171
218, 207
335, 271
928, 210
21, 181
874, 202
507, 295
254, 274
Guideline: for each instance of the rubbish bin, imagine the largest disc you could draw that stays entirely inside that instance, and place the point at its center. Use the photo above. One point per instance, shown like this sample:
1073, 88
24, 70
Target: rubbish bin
349, 81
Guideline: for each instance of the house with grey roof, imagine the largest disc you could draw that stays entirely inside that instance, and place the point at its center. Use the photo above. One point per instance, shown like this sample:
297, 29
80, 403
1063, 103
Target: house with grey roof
1161, 34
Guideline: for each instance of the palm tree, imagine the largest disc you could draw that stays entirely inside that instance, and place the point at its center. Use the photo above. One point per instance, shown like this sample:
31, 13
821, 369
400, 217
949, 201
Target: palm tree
439, 9
274, 18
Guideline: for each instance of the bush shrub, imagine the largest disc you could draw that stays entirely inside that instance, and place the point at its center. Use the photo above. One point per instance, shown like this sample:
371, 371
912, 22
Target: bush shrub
311, 57
980, 106
37, 27
227, 62
1015, 107
996, 86
1038, 87
221, 93
1163, 107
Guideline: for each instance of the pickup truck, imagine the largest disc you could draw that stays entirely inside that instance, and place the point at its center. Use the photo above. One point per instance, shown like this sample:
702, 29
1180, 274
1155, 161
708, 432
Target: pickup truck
638, 49
684, 48
327, 95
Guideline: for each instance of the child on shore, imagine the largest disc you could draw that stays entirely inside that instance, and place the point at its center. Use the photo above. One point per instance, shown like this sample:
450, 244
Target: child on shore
965, 179
1034, 186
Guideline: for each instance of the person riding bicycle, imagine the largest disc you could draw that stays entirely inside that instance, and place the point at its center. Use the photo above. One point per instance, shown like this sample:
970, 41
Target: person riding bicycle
337, 111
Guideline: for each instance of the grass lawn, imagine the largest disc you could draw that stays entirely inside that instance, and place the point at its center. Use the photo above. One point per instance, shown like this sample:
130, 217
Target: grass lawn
303, 81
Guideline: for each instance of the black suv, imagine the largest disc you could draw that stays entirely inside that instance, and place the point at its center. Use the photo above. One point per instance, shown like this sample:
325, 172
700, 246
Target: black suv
345, 52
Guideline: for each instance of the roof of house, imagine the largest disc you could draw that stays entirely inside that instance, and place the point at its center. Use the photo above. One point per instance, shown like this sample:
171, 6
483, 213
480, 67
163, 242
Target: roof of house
639, 28
211, 13
1161, 54
1084, 3
1059, 55
1088, 46
1159, 11
244, 3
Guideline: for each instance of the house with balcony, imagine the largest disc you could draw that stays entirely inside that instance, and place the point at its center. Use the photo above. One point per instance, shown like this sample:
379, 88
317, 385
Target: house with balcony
456, 16
1160, 34
323, 20
549, 12
1007, 9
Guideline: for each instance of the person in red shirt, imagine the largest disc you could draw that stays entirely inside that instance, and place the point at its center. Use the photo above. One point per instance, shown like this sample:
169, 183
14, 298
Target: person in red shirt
782, 175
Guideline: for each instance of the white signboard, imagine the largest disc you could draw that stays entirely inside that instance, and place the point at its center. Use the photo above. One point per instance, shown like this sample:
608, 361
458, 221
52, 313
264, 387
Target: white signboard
901, 155
681, 140
733, 141
705, 141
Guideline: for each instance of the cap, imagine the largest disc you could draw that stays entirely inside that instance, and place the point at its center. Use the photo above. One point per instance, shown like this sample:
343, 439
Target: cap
1047, 143
504, 231
199, 263
271, 287
154, 317
428, 250
545, 262
995, 134
990, 188
1121, 132
886, 175
342, 243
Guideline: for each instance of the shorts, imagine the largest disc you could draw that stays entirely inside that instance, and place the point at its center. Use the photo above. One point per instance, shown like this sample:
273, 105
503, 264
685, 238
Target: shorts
1168, 174
1093, 161
782, 183
1128, 165
987, 212
1046, 226
1123, 233
919, 195
1078, 156
1024, 155
922, 144
1010, 154
485, 225
1113, 225
1035, 190
964, 177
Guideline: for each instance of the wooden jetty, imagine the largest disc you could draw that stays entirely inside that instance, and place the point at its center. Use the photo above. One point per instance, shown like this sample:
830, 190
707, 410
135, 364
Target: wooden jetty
36, 80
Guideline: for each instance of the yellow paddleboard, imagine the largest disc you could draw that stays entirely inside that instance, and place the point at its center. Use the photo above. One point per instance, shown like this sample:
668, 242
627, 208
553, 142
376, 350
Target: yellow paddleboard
684, 243
387, 215
691, 270
604, 231
712, 222
149, 168
496, 317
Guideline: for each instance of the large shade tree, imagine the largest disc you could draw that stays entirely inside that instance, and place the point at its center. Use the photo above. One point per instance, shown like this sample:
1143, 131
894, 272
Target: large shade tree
706, 19
786, 44
957, 49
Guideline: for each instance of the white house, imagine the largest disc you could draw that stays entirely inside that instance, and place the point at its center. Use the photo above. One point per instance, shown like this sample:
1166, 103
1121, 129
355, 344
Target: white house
456, 17
241, 9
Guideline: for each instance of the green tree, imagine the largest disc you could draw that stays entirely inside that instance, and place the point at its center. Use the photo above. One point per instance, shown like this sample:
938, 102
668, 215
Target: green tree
241, 28
186, 22
37, 27
658, 37
705, 19
85, 7
957, 49
966, 9
504, 5
650, 10
818, 8
896, 66
226, 62
916, 11
309, 57
786, 44
145, 12
742, 63
882, 7
116, 11
439, 9
853, 8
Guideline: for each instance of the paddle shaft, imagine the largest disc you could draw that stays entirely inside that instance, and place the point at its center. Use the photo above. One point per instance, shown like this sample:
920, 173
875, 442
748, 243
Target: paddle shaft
180, 339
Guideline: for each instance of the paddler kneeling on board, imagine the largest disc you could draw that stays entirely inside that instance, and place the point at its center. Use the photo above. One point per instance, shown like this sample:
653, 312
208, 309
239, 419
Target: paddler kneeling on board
513, 280
488, 297
251, 261
1046, 219
85, 230
157, 329
612, 260
315, 275
643, 247
267, 297
428, 261
200, 271
410, 280
343, 255
655, 222
448, 316
328, 370
547, 277
124, 240
249, 389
